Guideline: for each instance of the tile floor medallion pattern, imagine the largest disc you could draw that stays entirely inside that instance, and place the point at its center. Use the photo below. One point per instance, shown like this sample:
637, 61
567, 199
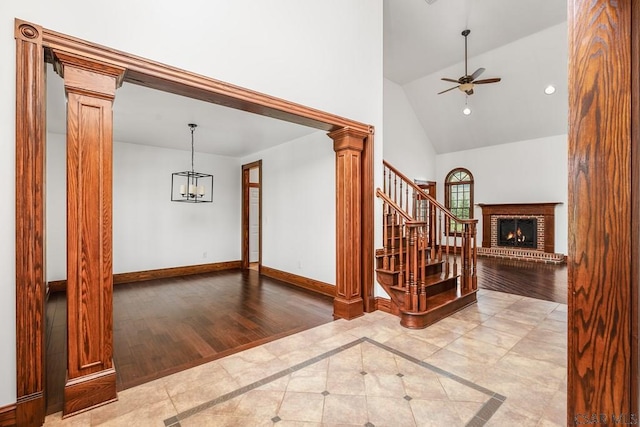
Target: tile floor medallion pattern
362, 383
500, 362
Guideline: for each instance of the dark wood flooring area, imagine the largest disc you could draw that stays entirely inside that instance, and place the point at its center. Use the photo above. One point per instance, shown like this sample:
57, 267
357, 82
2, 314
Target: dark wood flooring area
529, 279
168, 325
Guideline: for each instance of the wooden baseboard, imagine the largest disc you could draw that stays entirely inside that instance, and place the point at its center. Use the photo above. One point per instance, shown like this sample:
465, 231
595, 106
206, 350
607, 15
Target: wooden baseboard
300, 281
162, 273
57, 286
8, 416
383, 304
30, 410
88, 392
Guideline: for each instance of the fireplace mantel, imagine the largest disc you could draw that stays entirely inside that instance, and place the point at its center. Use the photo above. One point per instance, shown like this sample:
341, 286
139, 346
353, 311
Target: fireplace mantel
548, 208
545, 211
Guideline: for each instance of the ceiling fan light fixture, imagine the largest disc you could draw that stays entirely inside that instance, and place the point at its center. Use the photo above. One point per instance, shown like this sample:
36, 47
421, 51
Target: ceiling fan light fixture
550, 90
466, 110
465, 86
467, 81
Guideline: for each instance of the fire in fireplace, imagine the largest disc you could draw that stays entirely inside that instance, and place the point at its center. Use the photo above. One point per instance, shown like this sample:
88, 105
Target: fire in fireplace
518, 232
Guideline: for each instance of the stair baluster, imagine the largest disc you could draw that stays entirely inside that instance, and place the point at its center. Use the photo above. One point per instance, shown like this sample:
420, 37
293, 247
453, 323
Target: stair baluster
423, 246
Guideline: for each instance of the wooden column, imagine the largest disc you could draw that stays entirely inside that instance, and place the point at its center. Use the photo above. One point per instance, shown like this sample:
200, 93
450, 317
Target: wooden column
30, 219
602, 350
348, 145
367, 227
90, 89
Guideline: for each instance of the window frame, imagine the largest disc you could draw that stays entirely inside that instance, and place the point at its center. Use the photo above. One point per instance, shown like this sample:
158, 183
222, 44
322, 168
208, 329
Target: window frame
448, 185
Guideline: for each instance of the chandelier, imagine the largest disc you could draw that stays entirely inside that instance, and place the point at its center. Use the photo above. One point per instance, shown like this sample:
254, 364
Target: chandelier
191, 186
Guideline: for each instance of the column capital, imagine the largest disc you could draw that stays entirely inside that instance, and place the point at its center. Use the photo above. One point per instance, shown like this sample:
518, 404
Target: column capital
86, 75
348, 139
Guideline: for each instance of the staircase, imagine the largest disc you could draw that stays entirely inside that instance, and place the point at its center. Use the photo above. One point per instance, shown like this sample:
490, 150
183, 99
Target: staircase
428, 262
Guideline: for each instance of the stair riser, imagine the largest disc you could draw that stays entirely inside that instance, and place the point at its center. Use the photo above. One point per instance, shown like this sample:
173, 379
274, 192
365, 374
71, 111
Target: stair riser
388, 283
422, 320
430, 269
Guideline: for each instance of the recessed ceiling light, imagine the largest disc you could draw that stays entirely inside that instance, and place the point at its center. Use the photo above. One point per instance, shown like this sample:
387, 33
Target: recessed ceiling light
466, 111
550, 89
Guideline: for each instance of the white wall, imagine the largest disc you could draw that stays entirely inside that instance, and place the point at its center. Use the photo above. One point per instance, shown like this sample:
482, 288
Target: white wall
521, 172
302, 51
150, 231
299, 207
407, 146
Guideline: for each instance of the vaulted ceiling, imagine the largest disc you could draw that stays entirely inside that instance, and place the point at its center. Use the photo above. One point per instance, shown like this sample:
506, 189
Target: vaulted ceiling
523, 42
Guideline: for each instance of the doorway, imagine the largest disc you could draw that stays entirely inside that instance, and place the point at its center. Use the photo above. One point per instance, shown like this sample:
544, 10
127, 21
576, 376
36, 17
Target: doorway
35, 45
252, 215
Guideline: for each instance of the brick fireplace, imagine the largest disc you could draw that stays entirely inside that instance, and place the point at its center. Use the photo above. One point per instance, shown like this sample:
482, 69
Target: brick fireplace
523, 231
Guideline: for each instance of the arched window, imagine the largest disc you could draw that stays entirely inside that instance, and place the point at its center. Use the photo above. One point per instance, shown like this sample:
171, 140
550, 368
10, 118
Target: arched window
458, 190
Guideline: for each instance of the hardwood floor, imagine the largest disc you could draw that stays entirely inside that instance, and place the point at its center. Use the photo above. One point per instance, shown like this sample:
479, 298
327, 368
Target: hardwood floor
530, 279
168, 325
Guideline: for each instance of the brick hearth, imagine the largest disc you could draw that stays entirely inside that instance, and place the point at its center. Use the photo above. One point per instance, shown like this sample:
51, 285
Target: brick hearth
544, 213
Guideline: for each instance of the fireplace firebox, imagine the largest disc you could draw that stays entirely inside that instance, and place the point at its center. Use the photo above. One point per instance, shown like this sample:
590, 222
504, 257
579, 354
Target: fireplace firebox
517, 232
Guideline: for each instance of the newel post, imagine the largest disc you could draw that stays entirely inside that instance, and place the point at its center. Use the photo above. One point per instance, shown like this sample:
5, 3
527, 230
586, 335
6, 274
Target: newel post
90, 87
348, 145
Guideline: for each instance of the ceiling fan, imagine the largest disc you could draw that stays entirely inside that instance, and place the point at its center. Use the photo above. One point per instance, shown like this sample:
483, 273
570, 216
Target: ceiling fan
466, 82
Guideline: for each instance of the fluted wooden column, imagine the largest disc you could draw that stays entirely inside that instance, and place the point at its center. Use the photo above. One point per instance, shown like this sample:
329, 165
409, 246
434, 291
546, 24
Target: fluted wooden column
90, 89
30, 220
348, 145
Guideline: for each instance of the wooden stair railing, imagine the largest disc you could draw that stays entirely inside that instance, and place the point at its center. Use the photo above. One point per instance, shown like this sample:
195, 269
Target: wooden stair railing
426, 249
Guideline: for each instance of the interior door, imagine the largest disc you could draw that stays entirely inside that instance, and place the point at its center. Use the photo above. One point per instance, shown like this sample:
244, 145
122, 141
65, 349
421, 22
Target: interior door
254, 224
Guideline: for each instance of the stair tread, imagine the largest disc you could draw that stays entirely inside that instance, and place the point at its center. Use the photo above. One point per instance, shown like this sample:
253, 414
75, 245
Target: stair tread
431, 280
395, 251
390, 252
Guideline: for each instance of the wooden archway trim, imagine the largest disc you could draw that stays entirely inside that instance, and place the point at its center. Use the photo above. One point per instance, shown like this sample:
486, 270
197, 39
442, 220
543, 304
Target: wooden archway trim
33, 43
155, 75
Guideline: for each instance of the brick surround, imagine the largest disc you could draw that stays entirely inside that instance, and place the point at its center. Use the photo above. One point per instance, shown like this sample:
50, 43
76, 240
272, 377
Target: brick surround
544, 213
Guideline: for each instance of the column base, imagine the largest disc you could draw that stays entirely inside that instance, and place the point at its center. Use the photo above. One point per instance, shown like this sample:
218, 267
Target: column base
348, 309
88, 392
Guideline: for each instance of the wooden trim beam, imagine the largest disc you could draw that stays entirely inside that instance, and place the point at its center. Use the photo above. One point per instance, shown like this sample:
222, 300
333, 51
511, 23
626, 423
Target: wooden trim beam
156, 75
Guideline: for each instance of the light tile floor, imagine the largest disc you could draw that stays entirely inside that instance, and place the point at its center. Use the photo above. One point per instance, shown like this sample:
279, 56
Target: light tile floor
501, 362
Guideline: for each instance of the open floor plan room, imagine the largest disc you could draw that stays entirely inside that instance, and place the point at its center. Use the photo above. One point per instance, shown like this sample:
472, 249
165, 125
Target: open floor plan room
275, 357
500, 362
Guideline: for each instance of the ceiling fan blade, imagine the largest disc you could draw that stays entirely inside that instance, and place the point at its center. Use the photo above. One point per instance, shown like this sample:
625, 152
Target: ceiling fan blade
450, 80
451, 88
477, 73
485, 81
